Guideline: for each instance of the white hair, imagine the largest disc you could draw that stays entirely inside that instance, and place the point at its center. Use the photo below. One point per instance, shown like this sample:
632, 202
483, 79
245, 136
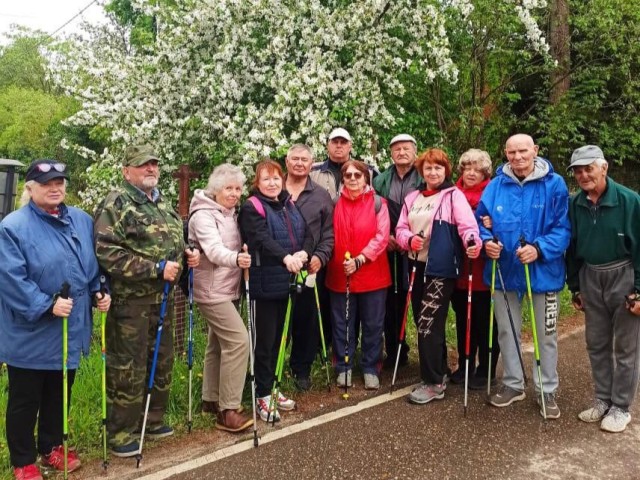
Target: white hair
223, 175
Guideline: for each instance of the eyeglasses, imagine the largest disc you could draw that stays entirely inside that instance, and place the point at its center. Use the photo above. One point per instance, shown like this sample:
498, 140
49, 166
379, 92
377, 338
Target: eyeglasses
350, 175
46, 167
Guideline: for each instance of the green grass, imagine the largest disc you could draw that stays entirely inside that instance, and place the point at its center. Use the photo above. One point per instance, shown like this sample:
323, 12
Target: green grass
85, 414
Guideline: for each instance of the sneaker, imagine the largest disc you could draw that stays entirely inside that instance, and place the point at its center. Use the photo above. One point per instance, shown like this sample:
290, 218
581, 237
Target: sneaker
595, 412
341, 378
480, 383
285, 403
616, 420
303, 383
29, 472
232, 421
155, 433
505, 396
124, 451
457, 377
550, 406
262, 407
55, 459
426, 393
371, 381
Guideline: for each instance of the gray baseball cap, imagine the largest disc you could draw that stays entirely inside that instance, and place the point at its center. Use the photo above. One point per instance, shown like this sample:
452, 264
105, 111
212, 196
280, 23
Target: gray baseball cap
585, 156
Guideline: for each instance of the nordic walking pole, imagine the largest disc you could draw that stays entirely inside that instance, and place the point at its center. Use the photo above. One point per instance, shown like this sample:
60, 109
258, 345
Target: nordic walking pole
534, 332
404, 317
64, 293
324, 347
163, 311
467, 345
103, 350
273, 402
190, 344
345, 395
250, 331
491, 309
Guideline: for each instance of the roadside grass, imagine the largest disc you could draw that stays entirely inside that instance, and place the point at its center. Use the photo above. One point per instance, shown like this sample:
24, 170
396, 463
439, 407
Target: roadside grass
85, 414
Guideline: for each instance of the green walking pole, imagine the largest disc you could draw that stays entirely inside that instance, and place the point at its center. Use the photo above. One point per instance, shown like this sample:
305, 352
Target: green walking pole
64, 293
324, 346
534, 332
491, 309
103, 322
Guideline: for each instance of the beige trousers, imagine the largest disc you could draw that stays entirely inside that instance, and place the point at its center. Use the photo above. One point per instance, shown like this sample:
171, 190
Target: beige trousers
226, 355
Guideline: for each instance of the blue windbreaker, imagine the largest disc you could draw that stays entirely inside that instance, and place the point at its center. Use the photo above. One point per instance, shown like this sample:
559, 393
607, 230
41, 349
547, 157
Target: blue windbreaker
38, 252
537, 209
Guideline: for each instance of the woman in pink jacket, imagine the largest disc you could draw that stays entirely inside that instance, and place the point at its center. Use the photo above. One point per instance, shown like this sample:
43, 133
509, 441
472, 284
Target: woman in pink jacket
214, 229
434, 225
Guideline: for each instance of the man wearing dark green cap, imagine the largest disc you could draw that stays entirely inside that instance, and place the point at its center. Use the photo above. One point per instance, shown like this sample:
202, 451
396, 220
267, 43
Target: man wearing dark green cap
140, 244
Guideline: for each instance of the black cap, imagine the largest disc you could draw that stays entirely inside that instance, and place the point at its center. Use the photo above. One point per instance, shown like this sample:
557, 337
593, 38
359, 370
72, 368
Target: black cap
34, 173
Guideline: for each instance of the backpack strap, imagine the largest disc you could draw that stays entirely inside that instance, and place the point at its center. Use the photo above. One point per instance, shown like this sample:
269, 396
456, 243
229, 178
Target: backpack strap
377, 202
257, 204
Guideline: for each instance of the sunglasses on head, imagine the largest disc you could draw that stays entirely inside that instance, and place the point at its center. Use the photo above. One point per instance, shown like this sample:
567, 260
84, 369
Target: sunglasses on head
46, 167
350, 175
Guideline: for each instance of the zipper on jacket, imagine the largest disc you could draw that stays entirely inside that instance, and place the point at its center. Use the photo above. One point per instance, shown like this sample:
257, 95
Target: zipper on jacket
294, 244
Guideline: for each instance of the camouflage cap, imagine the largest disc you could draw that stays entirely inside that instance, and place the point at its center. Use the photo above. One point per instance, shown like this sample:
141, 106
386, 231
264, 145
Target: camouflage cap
137, 155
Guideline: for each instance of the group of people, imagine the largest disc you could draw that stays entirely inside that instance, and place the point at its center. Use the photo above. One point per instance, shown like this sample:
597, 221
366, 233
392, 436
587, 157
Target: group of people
363, 241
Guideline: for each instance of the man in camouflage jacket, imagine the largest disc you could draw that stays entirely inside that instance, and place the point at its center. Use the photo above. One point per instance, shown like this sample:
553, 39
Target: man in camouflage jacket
139, 243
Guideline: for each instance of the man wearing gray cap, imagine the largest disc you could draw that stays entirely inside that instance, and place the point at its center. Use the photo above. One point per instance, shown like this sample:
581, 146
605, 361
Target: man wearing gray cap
139, 243
327, 174
394, 184
603, 273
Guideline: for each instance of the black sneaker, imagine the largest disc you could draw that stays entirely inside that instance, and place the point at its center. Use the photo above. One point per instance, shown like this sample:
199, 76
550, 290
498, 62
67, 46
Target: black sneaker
457, 377
156, 433
480, 383
124, 451
303, 383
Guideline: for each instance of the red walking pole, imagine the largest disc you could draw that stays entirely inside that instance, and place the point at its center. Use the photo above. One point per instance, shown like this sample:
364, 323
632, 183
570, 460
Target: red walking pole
467, 346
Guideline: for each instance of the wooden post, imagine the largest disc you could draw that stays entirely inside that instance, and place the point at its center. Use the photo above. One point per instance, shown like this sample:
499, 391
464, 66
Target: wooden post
184, 176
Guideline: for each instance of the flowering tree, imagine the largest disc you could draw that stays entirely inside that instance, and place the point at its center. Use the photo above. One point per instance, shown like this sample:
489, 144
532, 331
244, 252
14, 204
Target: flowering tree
237, 80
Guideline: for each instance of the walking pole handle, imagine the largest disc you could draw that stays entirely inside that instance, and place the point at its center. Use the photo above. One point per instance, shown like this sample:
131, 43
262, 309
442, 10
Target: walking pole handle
103, 285
523, 242
64, 291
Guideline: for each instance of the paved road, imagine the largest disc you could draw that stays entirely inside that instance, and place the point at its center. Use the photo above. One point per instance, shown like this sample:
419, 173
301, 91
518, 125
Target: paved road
403, 441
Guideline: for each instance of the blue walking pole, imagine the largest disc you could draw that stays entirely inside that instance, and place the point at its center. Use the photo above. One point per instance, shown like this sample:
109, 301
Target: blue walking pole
163, 311
190, 344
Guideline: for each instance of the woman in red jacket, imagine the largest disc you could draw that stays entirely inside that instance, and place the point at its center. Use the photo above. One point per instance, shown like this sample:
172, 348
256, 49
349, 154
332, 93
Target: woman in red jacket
361, 225
474, 169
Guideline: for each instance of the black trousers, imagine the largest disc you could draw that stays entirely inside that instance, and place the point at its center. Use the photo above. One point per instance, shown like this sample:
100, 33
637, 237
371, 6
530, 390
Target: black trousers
479, 339
270, 316
394, 310
34, 395
430, 301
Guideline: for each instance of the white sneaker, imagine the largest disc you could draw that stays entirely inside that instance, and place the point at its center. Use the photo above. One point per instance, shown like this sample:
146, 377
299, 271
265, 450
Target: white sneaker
595, 412
262, 407
371, 381
616, 420
285, 403
341, 378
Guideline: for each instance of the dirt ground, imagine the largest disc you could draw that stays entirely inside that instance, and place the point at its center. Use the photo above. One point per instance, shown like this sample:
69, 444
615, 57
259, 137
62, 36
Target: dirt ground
318, 401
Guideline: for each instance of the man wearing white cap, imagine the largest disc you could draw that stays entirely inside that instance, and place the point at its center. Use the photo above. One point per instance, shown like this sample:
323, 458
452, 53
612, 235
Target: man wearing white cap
327, 174
603, 272
394, 184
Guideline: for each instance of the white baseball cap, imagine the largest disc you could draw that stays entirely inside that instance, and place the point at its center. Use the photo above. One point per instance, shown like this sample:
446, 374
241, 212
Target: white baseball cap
339, 133
403, 137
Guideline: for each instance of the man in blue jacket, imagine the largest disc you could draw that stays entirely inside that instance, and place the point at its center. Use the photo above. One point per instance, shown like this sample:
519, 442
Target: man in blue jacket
526, 199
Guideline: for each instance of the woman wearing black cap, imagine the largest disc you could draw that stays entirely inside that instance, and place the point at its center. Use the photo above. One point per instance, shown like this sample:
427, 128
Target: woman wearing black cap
43, 245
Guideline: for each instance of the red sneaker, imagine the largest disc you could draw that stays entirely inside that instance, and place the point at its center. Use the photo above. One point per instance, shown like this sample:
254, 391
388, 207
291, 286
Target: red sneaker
56, 459
30, 472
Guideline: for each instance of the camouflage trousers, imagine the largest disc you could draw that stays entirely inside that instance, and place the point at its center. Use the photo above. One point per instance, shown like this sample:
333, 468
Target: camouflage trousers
131, 332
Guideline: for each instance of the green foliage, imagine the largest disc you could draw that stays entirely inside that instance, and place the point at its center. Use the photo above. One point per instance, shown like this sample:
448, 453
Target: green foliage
22, 63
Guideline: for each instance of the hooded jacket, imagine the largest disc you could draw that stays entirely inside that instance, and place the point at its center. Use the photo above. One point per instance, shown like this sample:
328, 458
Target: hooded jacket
537, 209
38, 253
214, 230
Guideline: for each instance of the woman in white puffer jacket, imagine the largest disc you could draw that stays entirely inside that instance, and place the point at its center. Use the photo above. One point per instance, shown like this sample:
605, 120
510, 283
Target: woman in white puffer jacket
213, 228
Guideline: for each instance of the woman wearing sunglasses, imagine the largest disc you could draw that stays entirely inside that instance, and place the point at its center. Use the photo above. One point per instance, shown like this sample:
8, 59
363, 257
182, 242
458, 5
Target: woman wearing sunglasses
361, 226
43, 245
434, 225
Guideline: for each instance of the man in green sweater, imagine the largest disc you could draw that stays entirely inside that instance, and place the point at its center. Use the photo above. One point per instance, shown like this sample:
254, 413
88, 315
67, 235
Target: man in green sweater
603, 272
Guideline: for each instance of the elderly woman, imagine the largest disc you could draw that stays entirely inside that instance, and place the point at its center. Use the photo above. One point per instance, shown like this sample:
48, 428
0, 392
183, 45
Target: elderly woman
434, 224
474, 169
361, 227
213, 228
43, 245
280, 245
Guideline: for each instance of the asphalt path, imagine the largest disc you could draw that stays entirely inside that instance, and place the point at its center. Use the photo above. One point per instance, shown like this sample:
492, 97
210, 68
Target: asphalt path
399, 440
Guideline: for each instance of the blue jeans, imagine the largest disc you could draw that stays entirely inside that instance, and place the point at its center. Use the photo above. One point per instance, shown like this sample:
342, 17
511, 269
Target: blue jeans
370, 308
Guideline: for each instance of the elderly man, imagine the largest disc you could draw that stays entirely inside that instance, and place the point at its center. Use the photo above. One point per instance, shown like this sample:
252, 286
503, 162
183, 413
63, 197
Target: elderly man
526, 200
316, 208
603, 272
394, 184
140, 244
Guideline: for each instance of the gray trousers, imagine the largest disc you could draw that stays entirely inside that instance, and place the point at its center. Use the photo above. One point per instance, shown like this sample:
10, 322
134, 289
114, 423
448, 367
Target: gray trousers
612, 332
546, 309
